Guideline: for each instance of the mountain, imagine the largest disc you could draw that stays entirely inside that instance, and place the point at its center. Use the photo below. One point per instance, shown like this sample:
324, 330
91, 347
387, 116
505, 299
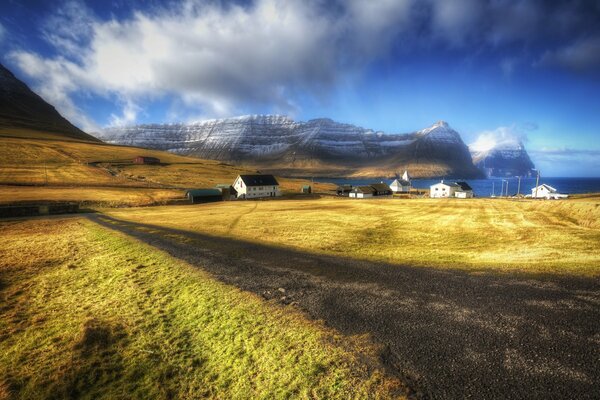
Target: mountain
319, 147
23, 110
502, 157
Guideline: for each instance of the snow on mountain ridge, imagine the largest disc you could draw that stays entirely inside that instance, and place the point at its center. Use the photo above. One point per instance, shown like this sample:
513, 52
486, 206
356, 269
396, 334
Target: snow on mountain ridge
276, 139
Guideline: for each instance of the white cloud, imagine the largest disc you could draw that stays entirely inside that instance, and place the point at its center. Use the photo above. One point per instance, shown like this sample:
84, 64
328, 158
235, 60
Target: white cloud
509, 136
214, 57
211, 57
128, 115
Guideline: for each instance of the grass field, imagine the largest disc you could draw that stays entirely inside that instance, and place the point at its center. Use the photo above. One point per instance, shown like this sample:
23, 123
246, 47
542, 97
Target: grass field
89, 313
478, 234
55, 166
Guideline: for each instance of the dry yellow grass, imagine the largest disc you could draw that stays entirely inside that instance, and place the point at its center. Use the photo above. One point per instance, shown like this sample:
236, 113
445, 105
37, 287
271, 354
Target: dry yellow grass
55, 165
89, 313
101, 196
477, 234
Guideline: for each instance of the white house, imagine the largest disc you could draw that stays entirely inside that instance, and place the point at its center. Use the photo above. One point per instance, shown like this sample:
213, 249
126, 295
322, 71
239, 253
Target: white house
544, 191
461, 190
400, 186
442, 189
362, 192
464, 192
254, 186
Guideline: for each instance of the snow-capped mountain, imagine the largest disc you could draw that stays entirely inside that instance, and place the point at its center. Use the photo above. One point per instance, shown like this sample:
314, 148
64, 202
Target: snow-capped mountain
317, 147
501, 156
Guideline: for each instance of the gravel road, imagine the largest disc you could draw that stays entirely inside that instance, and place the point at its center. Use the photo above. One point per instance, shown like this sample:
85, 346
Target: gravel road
447, 334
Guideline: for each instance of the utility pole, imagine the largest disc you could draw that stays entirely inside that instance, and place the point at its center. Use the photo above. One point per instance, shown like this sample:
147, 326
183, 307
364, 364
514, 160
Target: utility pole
519, 187
45, 174
537, 182
507, 181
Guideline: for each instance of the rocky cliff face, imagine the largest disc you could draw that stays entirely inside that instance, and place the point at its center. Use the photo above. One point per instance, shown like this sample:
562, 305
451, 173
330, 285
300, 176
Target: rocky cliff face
20, 108
506, 158
318, 147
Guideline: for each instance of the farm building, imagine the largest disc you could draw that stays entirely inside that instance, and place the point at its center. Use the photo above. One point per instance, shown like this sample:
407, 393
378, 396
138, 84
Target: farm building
197, 196
381, 189
228, 192
544, 191
306, 189
400, 186
443, 190
254, 186
146, 160
362, 192
460, 190
465, 191
344, 190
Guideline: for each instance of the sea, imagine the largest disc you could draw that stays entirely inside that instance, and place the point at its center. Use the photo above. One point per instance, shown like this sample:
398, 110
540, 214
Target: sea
492, 186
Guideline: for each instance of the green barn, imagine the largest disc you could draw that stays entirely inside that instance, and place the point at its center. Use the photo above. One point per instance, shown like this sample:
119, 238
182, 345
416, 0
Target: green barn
197, 196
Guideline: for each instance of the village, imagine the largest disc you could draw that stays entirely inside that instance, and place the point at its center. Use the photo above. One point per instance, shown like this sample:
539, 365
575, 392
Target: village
262, 186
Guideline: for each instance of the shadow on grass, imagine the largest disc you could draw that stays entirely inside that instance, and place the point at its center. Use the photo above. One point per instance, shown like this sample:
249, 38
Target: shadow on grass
447, 333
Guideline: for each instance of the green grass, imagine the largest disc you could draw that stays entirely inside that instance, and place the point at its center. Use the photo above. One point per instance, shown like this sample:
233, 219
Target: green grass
476, 234
89, 313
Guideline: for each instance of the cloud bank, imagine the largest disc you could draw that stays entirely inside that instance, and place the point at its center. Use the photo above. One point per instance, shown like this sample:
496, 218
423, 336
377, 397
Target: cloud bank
215, 57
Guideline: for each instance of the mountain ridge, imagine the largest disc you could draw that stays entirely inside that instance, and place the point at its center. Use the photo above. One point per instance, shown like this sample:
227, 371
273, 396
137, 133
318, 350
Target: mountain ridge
22, 109
321, 146
504, 157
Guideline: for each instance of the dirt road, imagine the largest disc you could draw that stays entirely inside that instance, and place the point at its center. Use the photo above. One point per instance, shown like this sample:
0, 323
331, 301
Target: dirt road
448, 334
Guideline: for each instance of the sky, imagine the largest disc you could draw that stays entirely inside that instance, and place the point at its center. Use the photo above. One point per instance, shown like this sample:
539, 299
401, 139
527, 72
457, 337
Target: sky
526, 69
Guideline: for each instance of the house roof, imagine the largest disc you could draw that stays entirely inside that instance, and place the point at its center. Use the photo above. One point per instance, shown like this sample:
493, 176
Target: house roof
344, 187
381, 187
464, 186
400, 182
548, 187
259, 180
451, 184
305, 186
363, 189
203, 192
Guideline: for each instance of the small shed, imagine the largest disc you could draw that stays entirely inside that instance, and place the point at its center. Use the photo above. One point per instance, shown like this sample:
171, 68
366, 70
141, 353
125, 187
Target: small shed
363, 192
306, 189
343, 190
146, 160
197, 196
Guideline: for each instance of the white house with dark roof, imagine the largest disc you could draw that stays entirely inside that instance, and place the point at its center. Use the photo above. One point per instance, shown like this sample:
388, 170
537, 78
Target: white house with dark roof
442, 190
465, 191
362, 192
544, 191
461, 190
255, 186
400, 186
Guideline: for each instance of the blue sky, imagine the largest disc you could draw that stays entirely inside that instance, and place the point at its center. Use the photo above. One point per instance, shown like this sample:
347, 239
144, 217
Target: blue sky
526, 69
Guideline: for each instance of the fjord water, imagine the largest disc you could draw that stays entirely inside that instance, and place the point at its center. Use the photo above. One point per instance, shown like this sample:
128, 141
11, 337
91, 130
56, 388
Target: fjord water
487, 187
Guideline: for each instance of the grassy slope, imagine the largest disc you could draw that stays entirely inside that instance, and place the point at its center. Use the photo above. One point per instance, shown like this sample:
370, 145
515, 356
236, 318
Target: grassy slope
89, 313
34, 158
478, 234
